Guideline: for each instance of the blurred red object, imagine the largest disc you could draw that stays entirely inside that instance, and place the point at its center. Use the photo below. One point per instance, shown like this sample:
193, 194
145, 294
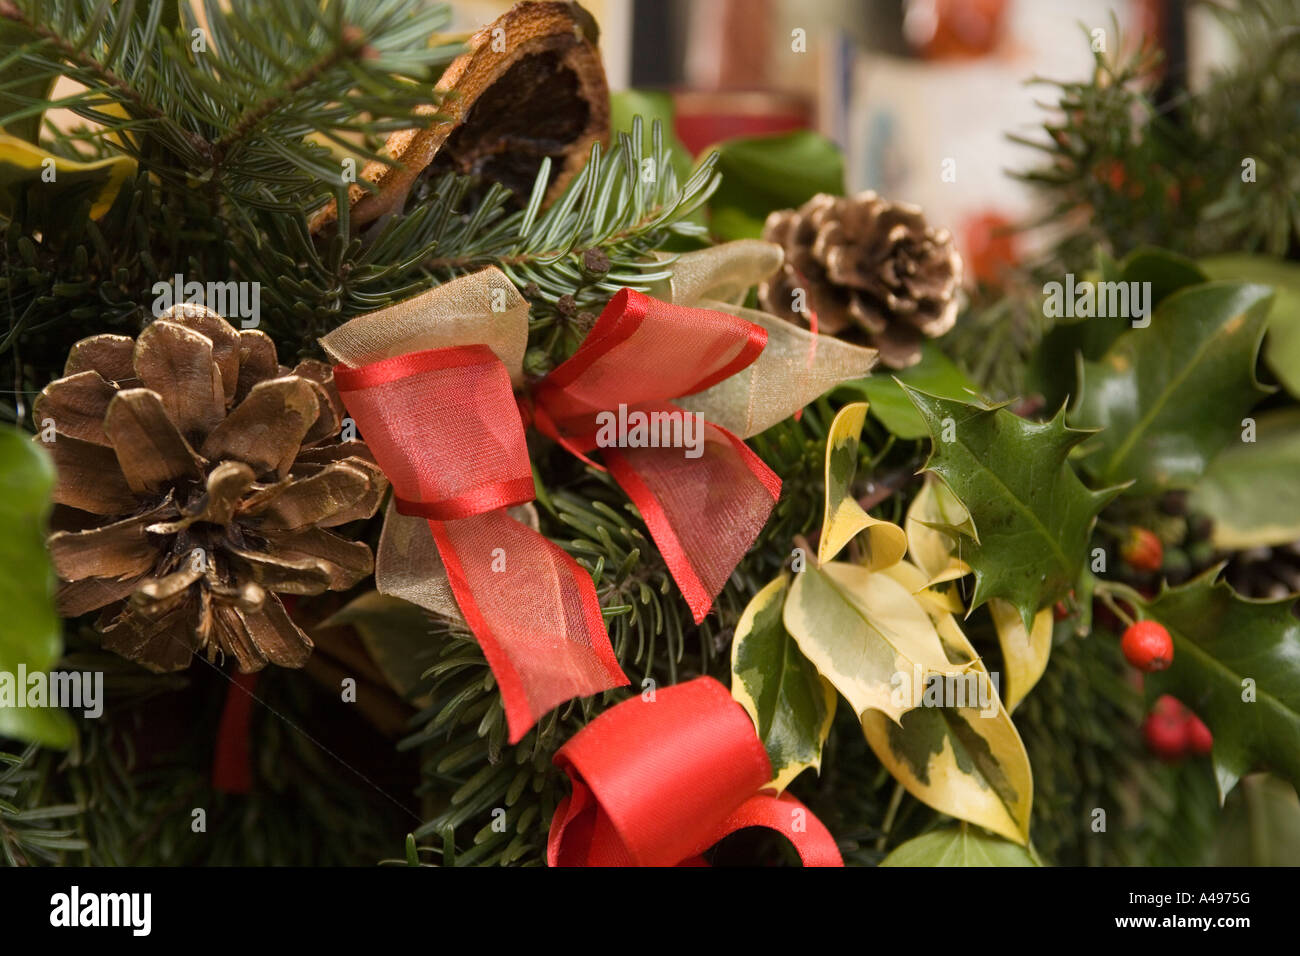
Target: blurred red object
704, 118
954, 29
990, 246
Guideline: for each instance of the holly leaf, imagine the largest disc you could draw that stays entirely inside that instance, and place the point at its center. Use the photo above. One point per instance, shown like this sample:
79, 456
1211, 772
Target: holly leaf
54, 185
1024, 651
1031, 513
1259, 825
934, 550
764, 173
862, 630
935, 373
790, 703
1052, 368
1250, 489
1237, 665
843, 518
32, 635
959, 846
958, 752
1282, 345
1168, 397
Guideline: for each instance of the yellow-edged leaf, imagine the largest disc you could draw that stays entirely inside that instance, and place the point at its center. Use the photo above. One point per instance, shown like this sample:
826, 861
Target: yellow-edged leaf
792, 706
965, 761
23, 165
843, 518
933, 550
1024, 653
866, 634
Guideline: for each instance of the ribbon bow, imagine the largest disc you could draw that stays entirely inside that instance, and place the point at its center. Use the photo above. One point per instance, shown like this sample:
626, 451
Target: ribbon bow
656, 783
430, 383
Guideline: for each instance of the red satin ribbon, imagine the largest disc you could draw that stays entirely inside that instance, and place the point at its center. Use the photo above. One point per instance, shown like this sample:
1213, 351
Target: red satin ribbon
656, 783
444, 427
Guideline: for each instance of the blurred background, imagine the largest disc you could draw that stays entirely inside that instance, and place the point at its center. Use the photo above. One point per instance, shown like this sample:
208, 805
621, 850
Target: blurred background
919, 94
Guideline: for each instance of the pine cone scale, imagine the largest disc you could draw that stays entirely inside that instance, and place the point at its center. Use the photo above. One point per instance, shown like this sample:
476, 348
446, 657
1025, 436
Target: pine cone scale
89, 478
177, 363
151, 453
78, 405
112, 356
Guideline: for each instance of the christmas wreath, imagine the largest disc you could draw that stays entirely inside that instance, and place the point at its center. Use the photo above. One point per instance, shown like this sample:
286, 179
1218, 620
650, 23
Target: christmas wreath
412, 456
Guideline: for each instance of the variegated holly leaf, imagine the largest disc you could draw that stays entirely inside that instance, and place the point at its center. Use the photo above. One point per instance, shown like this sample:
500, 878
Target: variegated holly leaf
959, 846
935, 524
57, 184
883, 543
866, 634
1031, 513
965, 759
1169, 397
1024, 651
790, 703
1237, 666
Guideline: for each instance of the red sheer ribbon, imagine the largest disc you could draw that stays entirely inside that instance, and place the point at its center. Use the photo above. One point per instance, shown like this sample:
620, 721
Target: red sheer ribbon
444, 427
656, 783
703, 512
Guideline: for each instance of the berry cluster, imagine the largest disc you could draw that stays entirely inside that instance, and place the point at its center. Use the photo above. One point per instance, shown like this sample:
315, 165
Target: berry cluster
1172, 731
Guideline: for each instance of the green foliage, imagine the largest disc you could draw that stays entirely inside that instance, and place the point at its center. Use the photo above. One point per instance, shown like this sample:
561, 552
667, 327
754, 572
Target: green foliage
935, 374
763, 173
32, 636
962, 845
1170, 174
1282, 345
32, 830
1032, 514
1250, 490
1235, 666
1167, 398
790, 704
234, 111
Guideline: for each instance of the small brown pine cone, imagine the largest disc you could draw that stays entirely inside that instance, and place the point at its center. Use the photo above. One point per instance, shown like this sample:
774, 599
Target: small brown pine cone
862, 263
196, 480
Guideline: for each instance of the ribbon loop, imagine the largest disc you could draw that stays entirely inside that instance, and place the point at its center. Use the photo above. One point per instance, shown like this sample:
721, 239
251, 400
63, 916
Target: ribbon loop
460, 462
657, 782
442, 423
643, 351
704, 506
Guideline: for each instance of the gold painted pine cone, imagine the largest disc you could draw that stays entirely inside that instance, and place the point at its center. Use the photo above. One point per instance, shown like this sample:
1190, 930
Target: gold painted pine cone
866, 264
196, 480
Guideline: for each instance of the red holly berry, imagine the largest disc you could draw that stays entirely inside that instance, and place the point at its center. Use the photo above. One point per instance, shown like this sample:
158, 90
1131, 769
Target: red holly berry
1143, 550
1199, 739
1148, 646
1167, 705
1166, 736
